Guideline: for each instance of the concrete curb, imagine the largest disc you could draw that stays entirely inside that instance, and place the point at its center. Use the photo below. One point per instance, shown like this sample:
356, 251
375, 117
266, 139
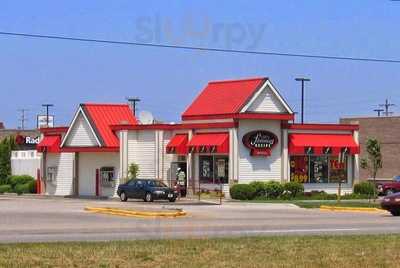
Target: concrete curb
136, 213
351, 209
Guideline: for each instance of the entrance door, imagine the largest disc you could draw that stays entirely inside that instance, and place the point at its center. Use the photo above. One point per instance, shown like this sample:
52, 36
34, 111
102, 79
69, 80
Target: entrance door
179, 176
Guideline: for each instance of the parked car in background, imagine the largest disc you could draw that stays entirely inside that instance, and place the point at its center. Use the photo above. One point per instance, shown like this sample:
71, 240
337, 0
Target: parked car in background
388, 188
146, 189
392, 204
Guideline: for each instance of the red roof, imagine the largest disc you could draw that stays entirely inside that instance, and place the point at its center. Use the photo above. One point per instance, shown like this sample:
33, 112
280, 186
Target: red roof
224, 97
50, 144
298, 143
102, 116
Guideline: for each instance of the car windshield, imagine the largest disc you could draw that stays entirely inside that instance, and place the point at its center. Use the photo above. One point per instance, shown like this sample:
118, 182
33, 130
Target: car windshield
156, 184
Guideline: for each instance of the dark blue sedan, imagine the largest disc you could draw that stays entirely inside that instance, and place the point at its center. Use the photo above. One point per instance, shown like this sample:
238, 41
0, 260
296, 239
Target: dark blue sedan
146, 189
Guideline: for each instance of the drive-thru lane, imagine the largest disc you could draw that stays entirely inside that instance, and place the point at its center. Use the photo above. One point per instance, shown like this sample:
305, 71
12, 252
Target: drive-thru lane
29, 220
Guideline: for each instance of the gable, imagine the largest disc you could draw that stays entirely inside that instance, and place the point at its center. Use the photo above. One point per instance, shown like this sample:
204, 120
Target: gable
81, 134
266, 102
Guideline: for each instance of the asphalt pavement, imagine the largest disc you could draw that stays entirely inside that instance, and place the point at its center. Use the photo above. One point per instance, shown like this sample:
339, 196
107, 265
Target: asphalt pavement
25, 219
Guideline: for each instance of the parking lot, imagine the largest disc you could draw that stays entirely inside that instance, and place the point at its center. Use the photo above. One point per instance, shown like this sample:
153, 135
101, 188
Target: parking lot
28, 219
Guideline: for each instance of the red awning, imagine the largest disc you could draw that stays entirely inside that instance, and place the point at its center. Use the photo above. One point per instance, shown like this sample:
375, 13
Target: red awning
177, 145
322, 143
50, 144
209, 143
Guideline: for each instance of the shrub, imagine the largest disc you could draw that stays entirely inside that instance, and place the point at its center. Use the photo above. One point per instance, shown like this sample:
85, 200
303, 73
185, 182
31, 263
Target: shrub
23, 188
293, 188
242, 192
5, 188
20, 179
274, 189
364, 188
259, 187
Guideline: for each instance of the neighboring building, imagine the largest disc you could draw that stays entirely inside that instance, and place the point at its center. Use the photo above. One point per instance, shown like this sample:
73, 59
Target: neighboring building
387, 131
235, 131
24, 159
1, 125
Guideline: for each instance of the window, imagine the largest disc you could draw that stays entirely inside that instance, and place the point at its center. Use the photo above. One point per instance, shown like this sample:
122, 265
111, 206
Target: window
318, 169
107, 176
32, 154
156, 184
213, 169
52, 174
15, 154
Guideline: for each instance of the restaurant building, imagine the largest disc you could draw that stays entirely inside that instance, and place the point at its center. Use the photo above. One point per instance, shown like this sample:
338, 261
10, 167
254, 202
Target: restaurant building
235, 131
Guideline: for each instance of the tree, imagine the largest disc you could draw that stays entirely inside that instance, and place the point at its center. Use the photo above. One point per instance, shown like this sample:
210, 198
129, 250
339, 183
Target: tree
373, 162
6, 146
133, 171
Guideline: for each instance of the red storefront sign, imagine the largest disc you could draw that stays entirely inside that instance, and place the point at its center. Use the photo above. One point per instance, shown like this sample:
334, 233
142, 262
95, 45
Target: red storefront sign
260, 142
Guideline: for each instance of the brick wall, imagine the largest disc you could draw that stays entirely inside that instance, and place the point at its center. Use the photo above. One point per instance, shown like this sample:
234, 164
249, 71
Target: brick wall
387, 131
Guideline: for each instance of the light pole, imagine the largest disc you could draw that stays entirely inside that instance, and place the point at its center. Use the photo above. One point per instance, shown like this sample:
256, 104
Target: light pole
302, 79
47, 112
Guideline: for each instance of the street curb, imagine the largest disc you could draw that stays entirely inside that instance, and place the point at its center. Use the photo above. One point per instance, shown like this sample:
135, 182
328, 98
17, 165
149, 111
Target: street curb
351, 209
136, 213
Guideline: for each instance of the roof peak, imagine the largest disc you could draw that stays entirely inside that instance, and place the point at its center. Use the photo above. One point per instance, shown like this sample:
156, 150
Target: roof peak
105, 104
238, 80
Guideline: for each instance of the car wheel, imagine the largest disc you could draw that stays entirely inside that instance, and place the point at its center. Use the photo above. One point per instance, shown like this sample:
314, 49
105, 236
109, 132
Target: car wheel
148, 197
123, 197
172, 200
389, 191
395, 212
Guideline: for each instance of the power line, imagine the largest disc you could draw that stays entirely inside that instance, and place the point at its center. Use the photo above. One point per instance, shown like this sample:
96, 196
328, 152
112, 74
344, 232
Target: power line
387, 105
23, 118
210, 49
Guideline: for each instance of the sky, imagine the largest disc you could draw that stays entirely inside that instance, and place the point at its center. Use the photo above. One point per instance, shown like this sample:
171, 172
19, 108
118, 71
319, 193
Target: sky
66, 73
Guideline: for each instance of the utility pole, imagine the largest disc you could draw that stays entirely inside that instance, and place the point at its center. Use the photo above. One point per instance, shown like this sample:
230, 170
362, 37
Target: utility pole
47, 105
378, 111
302, 80
387, 105
132, 103
23, 118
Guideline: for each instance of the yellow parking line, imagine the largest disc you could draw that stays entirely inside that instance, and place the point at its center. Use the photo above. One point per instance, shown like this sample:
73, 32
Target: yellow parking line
350, 209
135, 213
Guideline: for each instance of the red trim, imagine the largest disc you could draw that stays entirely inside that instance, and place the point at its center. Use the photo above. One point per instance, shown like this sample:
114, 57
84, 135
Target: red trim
175, 126
321, 126
209, 143
178, 144
257, 116
38, 186
97, 182
53, 130
89, 149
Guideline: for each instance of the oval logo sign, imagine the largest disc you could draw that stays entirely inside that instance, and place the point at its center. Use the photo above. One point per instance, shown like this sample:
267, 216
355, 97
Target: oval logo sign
260, 142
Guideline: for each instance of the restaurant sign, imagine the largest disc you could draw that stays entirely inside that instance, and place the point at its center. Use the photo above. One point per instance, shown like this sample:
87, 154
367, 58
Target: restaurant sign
260, 142
26, 140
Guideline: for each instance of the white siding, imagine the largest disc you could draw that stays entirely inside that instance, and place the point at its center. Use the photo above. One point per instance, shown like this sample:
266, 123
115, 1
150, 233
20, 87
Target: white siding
88, 163
167, 158
65, 165
259, 168
267, 102
142, 151
81, 134
25, 162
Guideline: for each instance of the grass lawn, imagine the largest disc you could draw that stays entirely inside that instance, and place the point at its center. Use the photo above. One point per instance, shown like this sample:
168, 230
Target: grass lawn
278, 251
